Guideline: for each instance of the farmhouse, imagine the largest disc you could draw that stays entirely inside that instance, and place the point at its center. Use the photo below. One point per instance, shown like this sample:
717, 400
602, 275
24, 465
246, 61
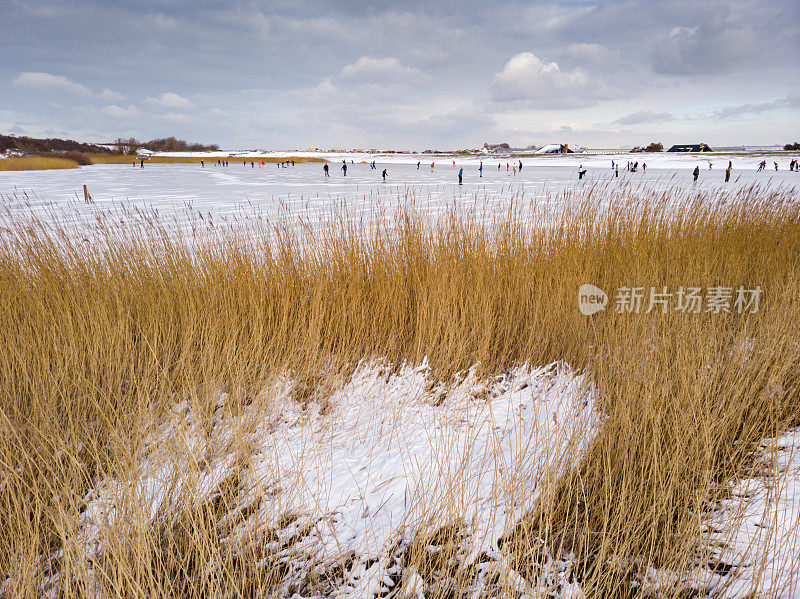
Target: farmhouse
690, 148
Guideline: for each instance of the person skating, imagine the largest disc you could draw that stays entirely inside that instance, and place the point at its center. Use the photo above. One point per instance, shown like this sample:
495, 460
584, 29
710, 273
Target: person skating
383, 174
417, 165
696, 173
520, 166
344, 168
325, 169
581, 172
460, 175
480, 168
727, 174
644, 167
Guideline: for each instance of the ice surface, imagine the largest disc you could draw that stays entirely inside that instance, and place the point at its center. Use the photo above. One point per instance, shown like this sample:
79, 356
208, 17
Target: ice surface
177, 189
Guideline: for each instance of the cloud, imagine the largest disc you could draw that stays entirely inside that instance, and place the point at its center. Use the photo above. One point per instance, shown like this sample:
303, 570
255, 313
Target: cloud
594, 54
176, 117
715, 43
645, 116
170, 101
118, 112
790, 101
48, 81
380, 70
543, 84
109, 95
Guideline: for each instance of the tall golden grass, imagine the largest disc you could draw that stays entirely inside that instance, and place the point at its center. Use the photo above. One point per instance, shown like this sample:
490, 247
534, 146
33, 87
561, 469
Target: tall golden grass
101, 338
35, 163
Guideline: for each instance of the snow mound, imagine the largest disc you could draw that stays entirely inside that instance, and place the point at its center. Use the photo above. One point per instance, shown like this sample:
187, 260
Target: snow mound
360, 476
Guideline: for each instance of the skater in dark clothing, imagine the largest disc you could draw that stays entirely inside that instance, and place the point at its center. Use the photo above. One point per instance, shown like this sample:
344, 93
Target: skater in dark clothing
727, 174
325, 169
644, 167
480, 168
520, 166
383, 174
460, 175
141, 163
696, 173
581, 172
616, 171
202, 164
417, 165
344, 168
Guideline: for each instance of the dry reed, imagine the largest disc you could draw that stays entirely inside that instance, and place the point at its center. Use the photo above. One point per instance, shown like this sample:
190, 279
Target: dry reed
35, 163
101, 339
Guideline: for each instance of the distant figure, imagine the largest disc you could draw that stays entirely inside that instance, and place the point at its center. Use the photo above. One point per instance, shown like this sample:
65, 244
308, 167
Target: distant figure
325, 169
480, 168
344, 168
709, 165
730, 164
202, 164
460, 175
252, 164
515, 170
498, 166
727, 174
417, 165
696, 173
384, 175
612, 165
141, 164
507, 166
644, 167
454, 162
520, 166
581, 172
761, 166
292, 162
432, 166
616, 172
776, 165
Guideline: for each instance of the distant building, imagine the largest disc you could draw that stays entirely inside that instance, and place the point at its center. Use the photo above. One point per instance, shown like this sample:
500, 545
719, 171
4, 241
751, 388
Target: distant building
690, 148
554, 149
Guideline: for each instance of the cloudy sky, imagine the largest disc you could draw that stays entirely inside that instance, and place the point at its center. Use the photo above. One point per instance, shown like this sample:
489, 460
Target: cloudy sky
397, 74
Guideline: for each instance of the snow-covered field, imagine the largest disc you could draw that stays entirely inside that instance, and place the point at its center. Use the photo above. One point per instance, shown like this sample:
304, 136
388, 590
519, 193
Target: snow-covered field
271, 190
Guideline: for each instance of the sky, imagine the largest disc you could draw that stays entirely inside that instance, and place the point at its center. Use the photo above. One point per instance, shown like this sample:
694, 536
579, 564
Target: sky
403, 75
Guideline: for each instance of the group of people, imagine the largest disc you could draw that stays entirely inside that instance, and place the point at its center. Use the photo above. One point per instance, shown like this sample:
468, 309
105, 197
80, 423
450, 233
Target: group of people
218, 163
632, 167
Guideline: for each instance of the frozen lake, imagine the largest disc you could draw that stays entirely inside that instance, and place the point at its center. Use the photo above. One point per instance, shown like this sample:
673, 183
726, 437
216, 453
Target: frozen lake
303, 190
